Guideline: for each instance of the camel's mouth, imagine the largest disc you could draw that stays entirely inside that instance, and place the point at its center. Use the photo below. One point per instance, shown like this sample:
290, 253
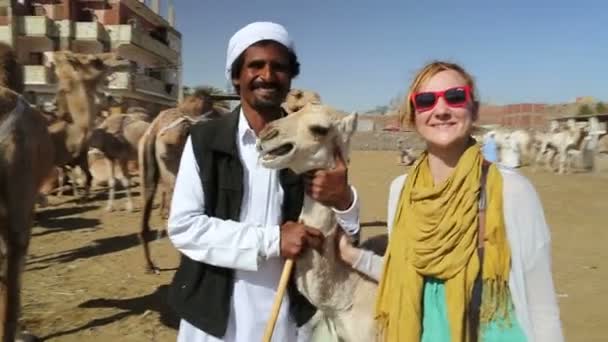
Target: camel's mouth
277, 156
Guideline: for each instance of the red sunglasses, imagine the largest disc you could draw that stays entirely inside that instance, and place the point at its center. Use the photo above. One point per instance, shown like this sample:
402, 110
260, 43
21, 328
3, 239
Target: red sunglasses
454, 97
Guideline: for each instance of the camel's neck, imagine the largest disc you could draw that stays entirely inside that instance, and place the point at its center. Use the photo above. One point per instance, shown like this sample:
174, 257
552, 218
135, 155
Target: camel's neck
327, 282
80, 102
315, 214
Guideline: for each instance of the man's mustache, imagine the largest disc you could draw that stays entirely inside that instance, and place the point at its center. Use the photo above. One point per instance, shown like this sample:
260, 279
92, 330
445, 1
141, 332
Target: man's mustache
265, 85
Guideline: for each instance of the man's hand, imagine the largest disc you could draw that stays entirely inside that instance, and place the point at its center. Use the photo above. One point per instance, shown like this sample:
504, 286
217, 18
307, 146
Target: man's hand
295, 237
330, 187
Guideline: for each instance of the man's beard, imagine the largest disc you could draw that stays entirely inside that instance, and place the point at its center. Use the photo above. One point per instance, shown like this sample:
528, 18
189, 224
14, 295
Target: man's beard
271, 102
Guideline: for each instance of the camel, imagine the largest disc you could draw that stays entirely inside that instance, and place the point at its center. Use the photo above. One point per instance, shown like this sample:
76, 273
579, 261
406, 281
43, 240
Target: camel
562, 142
97, 161
78, 78
602, 144
297, 98
26, 158
303, 141
519, 139
117, 139
159, 151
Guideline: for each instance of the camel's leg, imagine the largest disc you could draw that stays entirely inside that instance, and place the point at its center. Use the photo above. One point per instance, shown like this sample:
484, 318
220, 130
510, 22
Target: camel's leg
111, 185
163, 204
539, 156
4, 297
60, 181
84, 166
167, 197
149, 181
562, 160
124, 179
73, 180
20, 203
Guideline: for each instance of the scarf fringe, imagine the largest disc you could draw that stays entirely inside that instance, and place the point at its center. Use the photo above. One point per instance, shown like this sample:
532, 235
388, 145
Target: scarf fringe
495, 302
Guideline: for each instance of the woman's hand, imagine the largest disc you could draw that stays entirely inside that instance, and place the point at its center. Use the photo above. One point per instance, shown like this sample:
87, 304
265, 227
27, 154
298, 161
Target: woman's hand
348, 253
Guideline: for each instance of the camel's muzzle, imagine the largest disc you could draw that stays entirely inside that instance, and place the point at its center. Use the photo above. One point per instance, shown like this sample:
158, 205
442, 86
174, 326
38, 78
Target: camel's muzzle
279, 151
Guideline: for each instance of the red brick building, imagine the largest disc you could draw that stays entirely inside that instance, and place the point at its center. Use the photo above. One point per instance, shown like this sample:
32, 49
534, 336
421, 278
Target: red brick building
134, 29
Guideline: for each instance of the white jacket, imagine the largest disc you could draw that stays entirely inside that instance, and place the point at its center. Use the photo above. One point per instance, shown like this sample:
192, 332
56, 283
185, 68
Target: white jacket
530, 280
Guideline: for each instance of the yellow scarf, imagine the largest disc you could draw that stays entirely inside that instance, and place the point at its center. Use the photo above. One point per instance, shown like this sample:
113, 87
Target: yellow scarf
435, 234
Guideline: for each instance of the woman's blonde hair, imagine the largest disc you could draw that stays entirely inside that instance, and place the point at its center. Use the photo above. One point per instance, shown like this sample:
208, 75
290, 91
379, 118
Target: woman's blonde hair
408, 111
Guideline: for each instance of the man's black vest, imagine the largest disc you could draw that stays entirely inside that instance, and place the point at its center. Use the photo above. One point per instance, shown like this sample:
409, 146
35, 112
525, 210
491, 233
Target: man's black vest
201, 293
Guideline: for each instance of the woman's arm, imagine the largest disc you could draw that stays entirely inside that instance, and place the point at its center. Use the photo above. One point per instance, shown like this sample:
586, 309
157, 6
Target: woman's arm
524, 213
364, 261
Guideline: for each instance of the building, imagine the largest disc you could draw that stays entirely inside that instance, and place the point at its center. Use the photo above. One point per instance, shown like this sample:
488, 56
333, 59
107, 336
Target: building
134, 29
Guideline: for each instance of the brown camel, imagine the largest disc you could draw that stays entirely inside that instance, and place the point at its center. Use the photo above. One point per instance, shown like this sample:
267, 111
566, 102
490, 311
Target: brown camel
160, 150
297, 98
78, 76
26, 157
117, 138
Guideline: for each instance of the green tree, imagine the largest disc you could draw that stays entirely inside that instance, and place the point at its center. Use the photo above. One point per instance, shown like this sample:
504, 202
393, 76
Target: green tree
585, 110
601, 108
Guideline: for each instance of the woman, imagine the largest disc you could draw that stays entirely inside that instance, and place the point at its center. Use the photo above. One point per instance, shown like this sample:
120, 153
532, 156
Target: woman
469, 253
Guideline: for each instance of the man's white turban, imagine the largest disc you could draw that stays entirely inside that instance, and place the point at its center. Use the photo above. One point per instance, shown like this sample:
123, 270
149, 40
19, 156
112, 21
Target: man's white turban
252, 34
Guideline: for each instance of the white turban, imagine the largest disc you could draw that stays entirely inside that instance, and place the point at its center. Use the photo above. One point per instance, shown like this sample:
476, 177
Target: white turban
252, 34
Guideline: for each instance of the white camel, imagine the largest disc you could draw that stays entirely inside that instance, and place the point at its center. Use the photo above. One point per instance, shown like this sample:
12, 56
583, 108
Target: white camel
518, 141
303, 141
562, 142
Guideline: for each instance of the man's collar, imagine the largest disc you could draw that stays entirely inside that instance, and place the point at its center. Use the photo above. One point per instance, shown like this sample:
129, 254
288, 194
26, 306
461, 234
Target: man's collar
245, 132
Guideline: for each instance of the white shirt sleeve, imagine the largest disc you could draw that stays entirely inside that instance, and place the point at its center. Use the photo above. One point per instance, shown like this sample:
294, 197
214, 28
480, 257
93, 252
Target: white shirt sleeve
524, 210
349, 219
542, 301
368, 262
223, 243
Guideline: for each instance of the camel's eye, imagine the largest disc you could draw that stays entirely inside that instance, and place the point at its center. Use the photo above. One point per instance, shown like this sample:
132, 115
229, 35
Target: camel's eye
319, 130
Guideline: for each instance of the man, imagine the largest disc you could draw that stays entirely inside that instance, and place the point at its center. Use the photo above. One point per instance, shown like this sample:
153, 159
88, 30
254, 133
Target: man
233, 220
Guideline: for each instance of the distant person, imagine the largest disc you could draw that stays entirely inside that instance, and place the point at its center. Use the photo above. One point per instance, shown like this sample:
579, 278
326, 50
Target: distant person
469, 253
510, 154
490, 148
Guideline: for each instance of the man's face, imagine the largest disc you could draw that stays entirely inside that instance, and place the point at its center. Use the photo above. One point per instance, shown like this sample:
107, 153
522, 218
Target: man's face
265, 77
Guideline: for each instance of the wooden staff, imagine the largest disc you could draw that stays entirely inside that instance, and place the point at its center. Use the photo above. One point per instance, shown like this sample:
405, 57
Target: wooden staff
278, 299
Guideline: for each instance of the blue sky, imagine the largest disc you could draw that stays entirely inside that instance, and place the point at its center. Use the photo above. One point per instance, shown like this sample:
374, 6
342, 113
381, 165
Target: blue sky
360, 54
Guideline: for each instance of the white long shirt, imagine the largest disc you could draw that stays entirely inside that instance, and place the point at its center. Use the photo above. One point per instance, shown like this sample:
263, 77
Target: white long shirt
530, 279
250, 246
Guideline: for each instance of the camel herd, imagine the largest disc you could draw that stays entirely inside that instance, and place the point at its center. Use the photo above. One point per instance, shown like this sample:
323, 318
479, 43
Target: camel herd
36, 146
561, 148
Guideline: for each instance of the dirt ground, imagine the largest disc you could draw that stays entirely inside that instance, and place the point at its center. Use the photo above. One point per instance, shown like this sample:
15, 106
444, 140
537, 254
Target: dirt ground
85, 281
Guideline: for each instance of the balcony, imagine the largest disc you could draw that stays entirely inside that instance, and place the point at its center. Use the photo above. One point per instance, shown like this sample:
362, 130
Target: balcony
143, 84
37, 75
36, 26
6, 34
64, 28
139, 46
89, 37
36, 31
90, 31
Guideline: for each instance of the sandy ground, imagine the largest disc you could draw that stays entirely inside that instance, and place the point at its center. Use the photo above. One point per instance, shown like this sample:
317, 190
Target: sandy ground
85, 280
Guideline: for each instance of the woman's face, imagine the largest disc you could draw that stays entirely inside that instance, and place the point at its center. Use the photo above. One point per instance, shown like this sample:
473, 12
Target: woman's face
447, 123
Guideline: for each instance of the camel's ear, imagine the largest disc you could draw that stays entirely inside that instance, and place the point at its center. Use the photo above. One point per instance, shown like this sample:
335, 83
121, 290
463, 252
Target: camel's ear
348, 124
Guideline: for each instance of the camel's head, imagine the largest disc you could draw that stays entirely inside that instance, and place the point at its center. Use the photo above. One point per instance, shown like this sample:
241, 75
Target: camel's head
297, 98
307, 139
89, 68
